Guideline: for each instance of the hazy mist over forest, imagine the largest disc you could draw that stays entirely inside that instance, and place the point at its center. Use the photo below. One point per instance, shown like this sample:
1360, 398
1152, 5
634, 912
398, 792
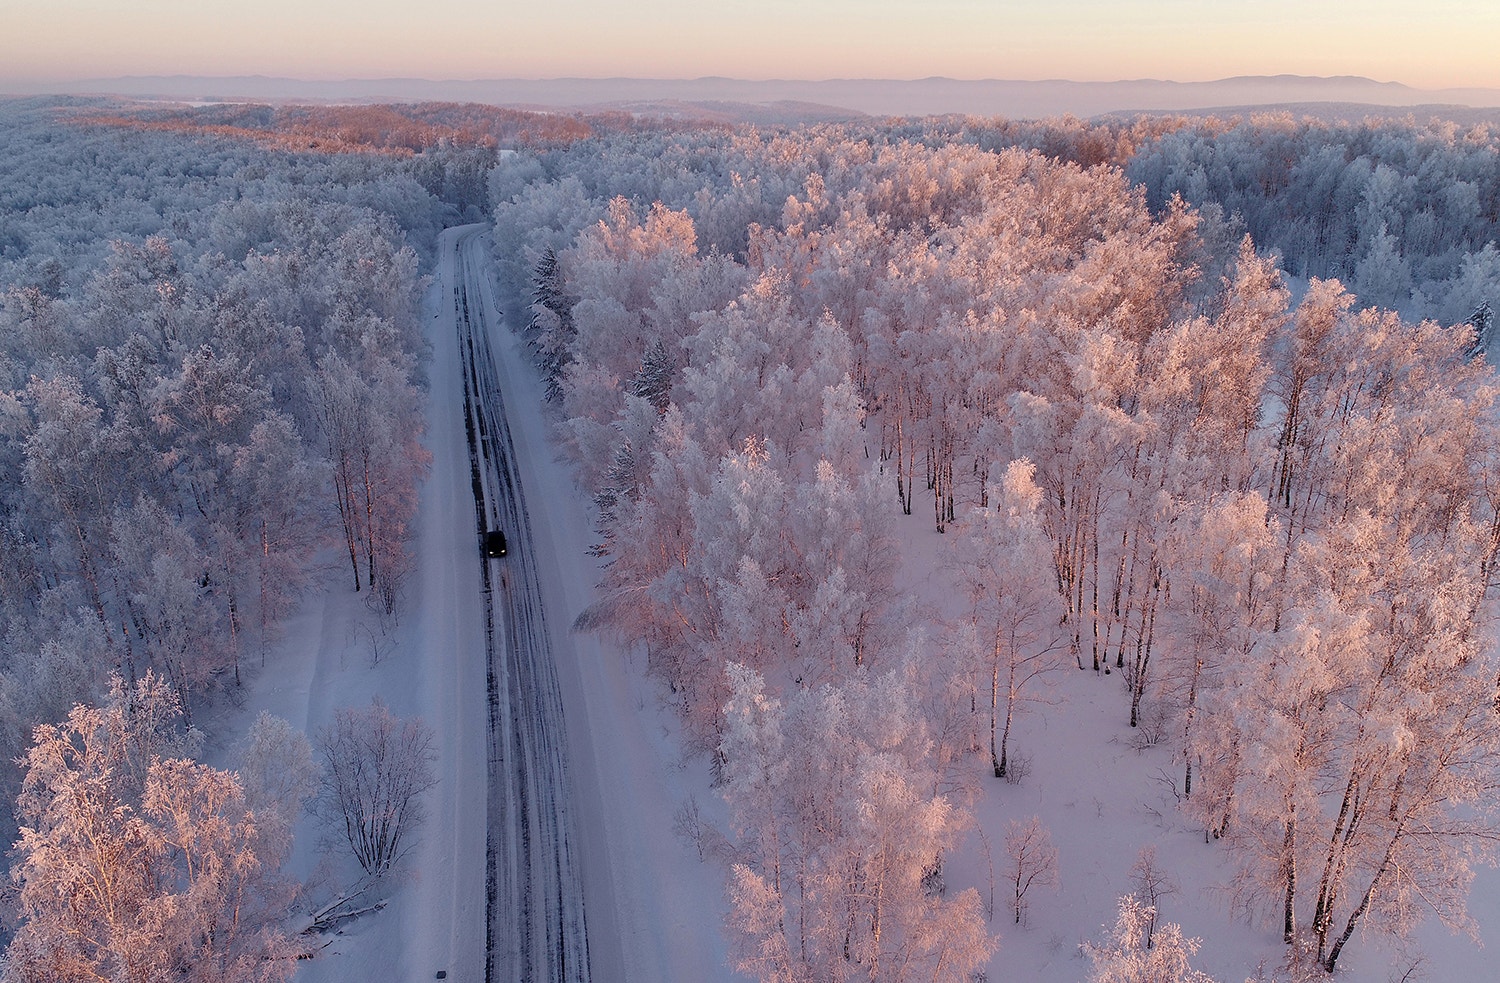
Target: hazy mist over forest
810, 100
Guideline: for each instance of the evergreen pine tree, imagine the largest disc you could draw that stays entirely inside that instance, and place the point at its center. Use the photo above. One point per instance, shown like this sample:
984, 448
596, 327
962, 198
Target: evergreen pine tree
1482, 318
653, 382
550, 329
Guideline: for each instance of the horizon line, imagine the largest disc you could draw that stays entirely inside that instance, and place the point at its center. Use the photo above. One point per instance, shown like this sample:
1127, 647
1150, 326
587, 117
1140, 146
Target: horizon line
1055, 80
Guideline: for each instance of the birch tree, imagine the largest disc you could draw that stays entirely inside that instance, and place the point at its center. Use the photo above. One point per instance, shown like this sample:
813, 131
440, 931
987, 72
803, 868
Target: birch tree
1001, 559
1033, 861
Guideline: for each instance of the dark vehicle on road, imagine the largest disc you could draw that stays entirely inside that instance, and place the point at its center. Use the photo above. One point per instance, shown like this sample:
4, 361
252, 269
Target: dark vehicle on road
494, 543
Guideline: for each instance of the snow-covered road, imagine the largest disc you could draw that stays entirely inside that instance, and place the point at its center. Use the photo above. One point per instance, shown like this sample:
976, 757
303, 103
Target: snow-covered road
536, 924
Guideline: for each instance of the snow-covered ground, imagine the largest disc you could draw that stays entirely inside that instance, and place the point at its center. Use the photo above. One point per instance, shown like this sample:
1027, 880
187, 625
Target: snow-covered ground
654, 908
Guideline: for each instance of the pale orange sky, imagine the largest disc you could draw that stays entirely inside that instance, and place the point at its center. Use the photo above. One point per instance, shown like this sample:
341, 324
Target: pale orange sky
1433, 44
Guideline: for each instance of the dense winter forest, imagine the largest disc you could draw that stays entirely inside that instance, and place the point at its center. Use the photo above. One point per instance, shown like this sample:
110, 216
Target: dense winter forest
210, 372
1407, 215
1259, 508
1274, 523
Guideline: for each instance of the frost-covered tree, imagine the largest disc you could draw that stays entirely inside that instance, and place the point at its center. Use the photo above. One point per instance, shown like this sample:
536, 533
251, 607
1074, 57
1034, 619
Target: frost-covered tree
136, 863
1482, 321
1363, 731
1152, 883
653, 382
1222, 558
1001, 559
177, 627
1130, 954
278, 486
370, 420
69, 457
551, 327
1382, 276
830, 797
1033, 861
276, 768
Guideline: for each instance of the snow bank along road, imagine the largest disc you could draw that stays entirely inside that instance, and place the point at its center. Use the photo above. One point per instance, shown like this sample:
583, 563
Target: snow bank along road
535, 924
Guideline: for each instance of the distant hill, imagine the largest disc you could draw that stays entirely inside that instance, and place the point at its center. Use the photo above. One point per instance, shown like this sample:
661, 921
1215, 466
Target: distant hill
1339, 112
790, 100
